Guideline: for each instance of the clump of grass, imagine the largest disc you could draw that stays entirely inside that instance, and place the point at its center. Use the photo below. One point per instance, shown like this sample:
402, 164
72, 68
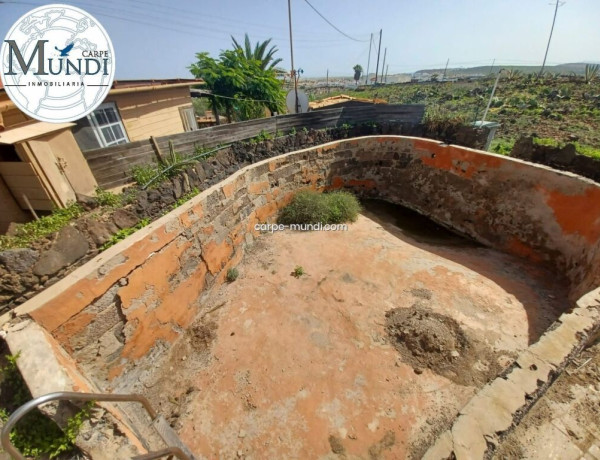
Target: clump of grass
587, 150
546, 141
298, 271
232, 275
309, 207
36, 229
502, 146
142, 174
106, 198
185, 198
581, 149
261, 137
439, 119
124, 233
153, 174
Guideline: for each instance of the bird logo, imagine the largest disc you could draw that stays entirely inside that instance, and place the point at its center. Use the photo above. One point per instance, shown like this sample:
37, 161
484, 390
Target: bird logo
65, 51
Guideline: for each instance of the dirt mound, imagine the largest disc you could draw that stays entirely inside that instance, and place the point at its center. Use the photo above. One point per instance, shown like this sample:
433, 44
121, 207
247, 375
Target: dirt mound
426, 339
201, 335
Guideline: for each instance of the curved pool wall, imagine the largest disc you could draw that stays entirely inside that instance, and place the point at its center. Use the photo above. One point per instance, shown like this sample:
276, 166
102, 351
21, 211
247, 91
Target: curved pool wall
143, 292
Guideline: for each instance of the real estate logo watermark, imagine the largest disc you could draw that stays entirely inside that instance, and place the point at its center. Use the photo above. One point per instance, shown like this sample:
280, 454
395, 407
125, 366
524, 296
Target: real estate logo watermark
57, 63
317, 227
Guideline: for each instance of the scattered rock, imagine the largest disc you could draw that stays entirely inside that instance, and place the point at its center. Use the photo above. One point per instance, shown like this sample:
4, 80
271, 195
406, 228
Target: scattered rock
18, 260
70, 245
124, 218
336, 445
50, 263
98, 231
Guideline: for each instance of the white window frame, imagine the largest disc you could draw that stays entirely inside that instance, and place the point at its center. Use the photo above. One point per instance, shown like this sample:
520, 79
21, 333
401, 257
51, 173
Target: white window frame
189, 121
97, 127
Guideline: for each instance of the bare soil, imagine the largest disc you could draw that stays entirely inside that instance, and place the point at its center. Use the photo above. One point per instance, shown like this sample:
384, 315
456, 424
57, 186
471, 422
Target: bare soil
426, 339
305, 367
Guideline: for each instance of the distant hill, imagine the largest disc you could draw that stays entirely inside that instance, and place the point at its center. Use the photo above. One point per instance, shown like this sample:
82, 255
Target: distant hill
577, 67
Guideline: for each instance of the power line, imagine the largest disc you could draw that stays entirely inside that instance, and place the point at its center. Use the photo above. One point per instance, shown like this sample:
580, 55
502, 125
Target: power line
331, 24
158, 22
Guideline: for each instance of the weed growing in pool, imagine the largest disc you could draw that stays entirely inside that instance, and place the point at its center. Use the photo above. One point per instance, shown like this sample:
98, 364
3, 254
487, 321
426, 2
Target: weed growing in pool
232, 275
309, 207
298, 271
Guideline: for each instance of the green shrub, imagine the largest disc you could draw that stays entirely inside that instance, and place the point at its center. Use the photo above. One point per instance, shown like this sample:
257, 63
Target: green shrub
36, 229
143, 174
587, 150
309, 207
439, 119
106, 198
546, 141
170, 165
232, 274
502, 146
298, 271
580, 148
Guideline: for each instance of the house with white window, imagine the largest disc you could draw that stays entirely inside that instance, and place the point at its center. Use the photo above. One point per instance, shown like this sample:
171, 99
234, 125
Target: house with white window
136, 110
42, 166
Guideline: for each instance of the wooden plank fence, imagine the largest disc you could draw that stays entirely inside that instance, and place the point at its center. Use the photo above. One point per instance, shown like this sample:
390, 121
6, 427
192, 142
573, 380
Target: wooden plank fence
112, 166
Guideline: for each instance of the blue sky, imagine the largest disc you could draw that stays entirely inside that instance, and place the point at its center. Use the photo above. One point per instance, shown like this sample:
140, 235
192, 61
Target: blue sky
159, 38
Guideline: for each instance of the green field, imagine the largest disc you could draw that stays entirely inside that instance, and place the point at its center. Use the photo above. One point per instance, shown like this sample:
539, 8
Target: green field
557, 109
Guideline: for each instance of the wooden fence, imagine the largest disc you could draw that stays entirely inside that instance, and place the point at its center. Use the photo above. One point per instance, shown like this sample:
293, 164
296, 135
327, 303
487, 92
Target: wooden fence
112, 165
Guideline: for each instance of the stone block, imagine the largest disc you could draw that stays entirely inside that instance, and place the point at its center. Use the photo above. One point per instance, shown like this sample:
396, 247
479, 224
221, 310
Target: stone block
18, 260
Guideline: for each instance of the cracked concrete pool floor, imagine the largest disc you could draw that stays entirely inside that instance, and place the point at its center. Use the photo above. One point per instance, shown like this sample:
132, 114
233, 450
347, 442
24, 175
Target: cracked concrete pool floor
303, 367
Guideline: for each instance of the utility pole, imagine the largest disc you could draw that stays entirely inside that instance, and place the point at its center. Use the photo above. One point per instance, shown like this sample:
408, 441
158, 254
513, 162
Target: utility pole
386, 72
492, 67
558, 3
293, 73
327, 81
378, 53
383, 65
445, 69
369, 61
491, 97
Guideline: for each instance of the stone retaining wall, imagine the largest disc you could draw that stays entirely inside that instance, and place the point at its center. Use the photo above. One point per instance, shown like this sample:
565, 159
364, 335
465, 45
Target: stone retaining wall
564, 158
141, 293
27, 271
117, 313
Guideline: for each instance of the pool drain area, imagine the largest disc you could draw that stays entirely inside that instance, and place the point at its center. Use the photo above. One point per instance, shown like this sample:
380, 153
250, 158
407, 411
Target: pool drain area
114, 321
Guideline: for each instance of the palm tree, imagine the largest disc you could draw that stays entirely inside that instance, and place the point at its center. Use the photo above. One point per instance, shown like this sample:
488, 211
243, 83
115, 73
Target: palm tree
259, 53
358, 70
